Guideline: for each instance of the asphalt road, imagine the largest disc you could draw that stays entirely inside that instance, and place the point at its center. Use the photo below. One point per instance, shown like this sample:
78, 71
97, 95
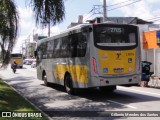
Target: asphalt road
87, 104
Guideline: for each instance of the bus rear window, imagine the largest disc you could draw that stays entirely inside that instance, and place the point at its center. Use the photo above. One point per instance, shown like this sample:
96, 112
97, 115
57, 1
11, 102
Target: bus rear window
16, 55
115, 36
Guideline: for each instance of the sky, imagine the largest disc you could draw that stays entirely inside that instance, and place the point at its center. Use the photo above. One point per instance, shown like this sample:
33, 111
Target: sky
144, 9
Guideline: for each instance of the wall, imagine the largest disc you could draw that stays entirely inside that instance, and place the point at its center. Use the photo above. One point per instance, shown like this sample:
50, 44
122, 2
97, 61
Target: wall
142, 28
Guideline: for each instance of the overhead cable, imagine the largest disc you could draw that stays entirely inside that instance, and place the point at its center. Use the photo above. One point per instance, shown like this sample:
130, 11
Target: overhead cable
124, 5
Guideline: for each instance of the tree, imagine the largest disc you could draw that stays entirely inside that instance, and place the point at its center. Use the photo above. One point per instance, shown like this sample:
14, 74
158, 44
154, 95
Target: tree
8, 29
46, 11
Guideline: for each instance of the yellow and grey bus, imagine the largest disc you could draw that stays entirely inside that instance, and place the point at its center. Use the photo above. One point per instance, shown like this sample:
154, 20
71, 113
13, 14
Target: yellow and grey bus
91, 55
18, 58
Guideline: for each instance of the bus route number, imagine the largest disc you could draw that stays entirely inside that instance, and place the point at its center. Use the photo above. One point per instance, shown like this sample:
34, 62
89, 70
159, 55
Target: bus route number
115, 30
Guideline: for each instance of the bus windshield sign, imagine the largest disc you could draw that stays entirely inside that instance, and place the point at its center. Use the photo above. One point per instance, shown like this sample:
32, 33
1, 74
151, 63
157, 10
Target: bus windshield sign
114, 30
115, 36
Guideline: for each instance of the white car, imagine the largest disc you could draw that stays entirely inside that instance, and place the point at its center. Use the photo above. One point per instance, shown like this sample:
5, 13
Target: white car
28, 62
33, 65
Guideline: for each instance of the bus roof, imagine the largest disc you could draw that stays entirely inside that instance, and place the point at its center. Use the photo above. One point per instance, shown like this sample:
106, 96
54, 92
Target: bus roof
77, 27
65, 32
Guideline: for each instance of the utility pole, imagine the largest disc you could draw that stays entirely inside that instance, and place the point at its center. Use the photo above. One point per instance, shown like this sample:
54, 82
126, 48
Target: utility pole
104, 11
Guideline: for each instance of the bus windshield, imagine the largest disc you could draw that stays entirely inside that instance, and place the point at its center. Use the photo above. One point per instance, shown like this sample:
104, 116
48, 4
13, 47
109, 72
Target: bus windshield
16, 55
115, 36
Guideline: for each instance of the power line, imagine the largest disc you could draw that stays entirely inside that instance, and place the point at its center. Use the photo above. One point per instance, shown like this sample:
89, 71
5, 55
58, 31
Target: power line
89, 16
119, 3
88, 13
96, 8
124, 5
153, 19
114, 4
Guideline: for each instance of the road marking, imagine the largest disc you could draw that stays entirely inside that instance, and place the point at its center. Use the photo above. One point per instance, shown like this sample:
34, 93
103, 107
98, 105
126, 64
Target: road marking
32, 70
140, 91
129, 106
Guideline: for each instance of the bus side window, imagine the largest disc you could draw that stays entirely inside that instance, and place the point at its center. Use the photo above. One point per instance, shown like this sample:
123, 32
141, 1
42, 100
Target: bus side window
39, 54
81, 45
56, 51
73, 43
64, 48
44, 50
69, 46
50, 49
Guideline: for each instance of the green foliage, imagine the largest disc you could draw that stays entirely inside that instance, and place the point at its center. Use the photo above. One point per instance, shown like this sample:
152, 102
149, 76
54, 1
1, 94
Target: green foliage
46, 11
8, 28
11, 101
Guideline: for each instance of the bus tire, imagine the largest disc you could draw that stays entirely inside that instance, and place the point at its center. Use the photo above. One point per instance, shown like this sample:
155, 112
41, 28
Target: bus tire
108, 89
44, 77
68, 84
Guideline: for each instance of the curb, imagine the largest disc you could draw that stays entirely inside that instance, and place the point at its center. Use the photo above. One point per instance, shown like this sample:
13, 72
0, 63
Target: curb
27, 100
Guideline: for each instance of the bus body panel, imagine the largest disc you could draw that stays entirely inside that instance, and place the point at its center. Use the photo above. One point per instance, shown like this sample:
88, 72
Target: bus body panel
56, 72
77, 67
115, 66
97, 68
116, 62
114, 78
111, 81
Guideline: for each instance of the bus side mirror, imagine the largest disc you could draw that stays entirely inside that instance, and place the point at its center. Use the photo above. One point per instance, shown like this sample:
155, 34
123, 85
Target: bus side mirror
35, 53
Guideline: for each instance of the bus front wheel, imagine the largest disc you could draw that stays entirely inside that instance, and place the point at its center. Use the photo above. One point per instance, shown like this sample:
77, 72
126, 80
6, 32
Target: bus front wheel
69, 85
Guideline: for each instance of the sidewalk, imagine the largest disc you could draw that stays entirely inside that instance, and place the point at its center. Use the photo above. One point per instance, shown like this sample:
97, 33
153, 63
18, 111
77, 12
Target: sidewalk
154, 82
